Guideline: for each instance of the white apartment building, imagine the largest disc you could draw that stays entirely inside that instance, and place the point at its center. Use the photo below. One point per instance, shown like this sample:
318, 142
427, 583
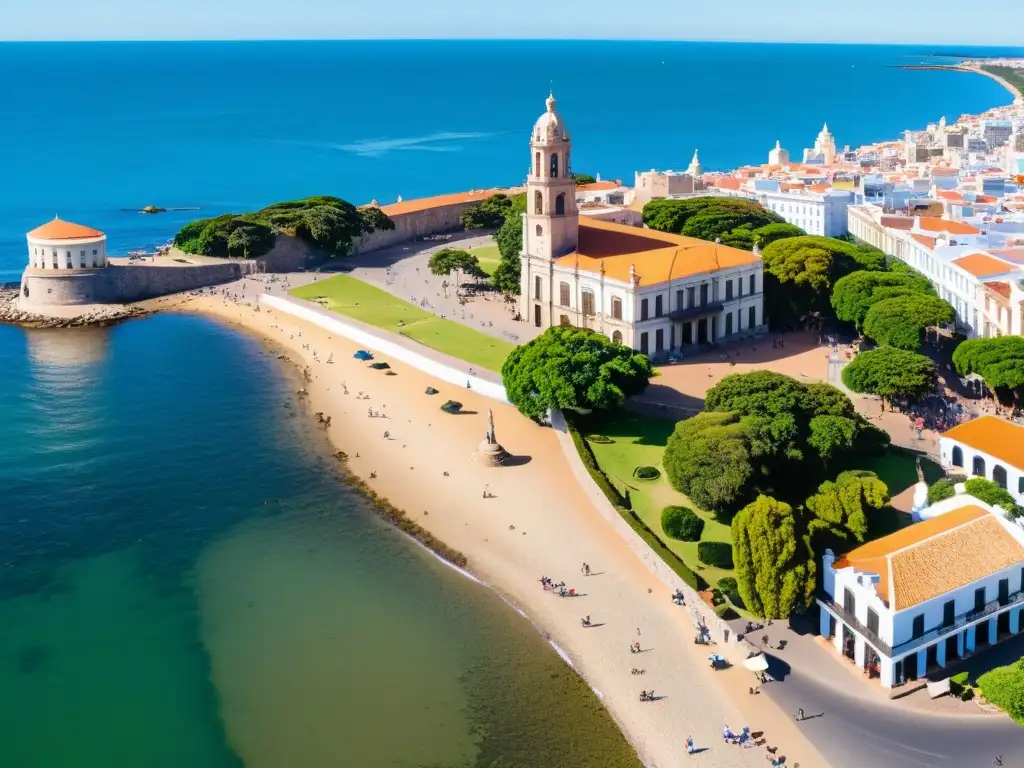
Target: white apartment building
987, 447
817, 210
941, 589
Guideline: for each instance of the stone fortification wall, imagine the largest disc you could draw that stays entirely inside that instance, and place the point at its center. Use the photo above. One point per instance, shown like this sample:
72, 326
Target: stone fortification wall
409, 226
289, 254
119, 284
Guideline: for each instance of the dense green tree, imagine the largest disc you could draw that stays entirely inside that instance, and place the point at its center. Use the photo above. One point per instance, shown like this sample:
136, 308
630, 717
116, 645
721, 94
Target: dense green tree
940, 490
775, 568
842, 510
733, 220
583, 178
681, 523
999, 361
853, 294
902, 320
890, 372
490, 213
768, 234
991, 493
707, 457
573, 368
1004, 687
509, 238
832, 436
447, 260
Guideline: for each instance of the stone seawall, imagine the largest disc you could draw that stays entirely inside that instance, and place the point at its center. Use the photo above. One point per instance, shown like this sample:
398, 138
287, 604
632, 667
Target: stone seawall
410, 226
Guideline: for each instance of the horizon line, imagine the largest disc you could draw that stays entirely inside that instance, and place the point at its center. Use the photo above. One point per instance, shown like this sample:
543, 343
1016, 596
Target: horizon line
734, 41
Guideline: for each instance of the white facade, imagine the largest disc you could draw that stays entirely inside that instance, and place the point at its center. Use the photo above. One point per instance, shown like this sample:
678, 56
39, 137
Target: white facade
971, 449
901, 645
778, 156
824, 150
48, 250
822, 213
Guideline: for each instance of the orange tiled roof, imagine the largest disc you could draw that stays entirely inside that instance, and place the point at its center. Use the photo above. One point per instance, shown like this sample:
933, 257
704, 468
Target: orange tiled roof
982, 265
928, 242
930, 224
598, 186
438, 201
819, 187
727, 182
58, 229
997, 437
656, 256
1003, 289
906, 223
946, 194
984, 199
936, 556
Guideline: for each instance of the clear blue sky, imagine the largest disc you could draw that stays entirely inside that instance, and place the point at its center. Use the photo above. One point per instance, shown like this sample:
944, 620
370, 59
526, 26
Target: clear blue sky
936, 22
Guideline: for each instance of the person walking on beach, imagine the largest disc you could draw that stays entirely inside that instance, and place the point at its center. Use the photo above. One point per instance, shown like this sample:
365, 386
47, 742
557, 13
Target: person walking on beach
689, 745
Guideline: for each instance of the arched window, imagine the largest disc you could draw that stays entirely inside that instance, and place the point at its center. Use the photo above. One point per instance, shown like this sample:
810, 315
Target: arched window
554, 165
540, 230
536, 164
538, 202
958, 456
978, 466
617, 311
617, 337
999, 475
563, 294
559, 204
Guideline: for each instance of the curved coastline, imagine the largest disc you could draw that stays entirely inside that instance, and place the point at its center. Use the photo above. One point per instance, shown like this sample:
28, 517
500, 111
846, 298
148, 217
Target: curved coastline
510, 539
1018, 96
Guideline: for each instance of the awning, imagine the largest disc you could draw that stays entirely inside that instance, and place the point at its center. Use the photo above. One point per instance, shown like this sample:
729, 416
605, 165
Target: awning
756, 663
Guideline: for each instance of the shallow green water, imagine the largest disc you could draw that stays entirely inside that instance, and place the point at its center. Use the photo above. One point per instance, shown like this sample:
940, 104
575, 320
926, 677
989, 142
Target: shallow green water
184, 581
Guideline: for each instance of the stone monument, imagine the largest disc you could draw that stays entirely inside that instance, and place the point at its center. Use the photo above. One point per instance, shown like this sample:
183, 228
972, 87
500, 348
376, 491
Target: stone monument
489, 453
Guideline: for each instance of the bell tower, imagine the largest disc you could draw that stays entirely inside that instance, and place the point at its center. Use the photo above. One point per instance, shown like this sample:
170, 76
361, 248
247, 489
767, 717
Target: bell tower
551, 221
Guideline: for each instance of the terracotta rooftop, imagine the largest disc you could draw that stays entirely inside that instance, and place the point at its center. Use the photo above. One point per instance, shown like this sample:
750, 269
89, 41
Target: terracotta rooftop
997, 437
439, 201
946, 194
1003, 289
930, 224
598, 186
656, 256
728, 183
928, 242
982, 265
58, 229
936, 556
905, 223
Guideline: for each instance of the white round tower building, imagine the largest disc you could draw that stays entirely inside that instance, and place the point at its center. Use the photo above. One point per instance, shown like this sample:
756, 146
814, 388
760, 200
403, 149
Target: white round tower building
61, 244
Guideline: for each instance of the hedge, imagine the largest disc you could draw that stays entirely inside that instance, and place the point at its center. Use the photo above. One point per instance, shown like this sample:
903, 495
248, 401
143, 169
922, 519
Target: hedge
682, 523
1004, 687
647, 473
715, 553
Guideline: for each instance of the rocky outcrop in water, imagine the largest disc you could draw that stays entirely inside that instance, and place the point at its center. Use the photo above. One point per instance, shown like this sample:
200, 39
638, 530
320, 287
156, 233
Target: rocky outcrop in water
108, 314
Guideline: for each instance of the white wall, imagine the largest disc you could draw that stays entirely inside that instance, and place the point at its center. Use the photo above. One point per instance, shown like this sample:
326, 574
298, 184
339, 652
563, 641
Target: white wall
40, 253
1013, 474
384, 346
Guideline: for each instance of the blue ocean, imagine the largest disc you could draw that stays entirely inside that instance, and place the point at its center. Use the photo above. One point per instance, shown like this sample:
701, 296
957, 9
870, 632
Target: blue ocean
87, 130
185, 580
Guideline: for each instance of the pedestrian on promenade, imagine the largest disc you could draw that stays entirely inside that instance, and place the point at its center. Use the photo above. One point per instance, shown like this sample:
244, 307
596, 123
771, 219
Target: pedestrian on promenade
799, 714
689, 745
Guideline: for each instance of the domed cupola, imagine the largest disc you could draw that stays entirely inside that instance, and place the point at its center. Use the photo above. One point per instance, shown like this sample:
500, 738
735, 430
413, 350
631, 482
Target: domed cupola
549, 127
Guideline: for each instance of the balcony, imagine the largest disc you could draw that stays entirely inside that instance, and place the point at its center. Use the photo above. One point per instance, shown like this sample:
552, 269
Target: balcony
709, 308
989, 609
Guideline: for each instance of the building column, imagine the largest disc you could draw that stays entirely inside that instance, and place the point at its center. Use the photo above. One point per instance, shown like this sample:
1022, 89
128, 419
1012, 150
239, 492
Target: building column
859, 648
886, 671
824, 620
940, 653
922, 663
1015, 620
837, 641
993, 630
970, 639
960, 644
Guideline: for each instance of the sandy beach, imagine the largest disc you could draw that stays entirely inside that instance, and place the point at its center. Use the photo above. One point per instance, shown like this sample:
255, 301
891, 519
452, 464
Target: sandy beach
538, 522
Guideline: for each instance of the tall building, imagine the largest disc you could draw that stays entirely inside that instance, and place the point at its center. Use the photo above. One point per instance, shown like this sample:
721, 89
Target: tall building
659, 293
778, 156
824, 151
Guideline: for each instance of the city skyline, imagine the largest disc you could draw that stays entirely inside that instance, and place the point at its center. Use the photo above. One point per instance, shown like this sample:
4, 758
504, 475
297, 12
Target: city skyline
797, 21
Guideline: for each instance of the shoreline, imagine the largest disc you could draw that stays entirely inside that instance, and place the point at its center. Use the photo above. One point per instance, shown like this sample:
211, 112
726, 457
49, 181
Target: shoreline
504, 553
1013, 90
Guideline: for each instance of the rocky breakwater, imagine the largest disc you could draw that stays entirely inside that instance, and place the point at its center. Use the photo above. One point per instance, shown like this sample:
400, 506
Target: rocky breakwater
64, 317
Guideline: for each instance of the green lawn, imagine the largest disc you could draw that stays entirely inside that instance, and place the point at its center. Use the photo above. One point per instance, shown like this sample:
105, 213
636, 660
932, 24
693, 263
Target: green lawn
362, 301
488, 257
639, 441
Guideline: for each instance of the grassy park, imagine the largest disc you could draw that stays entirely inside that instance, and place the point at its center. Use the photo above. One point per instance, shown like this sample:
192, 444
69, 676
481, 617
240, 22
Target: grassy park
488, 256
361, 301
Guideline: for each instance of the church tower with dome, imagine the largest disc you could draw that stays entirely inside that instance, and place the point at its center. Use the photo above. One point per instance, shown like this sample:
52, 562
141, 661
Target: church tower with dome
551, 221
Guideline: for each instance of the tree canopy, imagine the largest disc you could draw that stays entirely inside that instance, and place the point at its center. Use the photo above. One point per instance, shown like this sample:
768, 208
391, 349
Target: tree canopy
448, 260
509, 238
489, 213
890, 372
994, 494
854, 294
902, 320
769, 233
329, 223
800, 273
573, 368
736, 222
583, 178
842, 510
775, 569
707, 457
999, 361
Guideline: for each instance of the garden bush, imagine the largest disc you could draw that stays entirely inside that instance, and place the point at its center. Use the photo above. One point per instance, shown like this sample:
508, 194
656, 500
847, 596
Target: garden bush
1004, 687
647, 473
727, 584
681, 523
715, 553
960, 686
941, 489
600, 439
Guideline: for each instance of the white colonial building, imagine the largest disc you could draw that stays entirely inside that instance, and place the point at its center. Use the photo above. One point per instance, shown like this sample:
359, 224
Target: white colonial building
908, 604
61, 244
658, 293
817, 211
824, 150
987, 447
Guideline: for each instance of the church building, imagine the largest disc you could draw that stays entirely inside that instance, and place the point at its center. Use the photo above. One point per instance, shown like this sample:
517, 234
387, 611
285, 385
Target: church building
658, 293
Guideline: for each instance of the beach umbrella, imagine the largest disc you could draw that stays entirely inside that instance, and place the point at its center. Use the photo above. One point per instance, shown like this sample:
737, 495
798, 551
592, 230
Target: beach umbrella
756, 663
